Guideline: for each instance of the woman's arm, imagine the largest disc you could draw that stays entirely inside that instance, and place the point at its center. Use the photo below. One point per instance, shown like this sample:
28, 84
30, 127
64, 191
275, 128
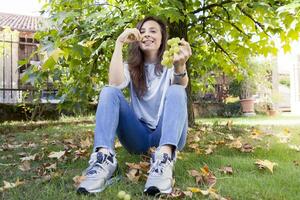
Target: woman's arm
180, 59
180, 76
116, 68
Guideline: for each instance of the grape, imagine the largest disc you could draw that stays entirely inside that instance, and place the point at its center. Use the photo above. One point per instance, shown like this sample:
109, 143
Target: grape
173, 48
121, 194
127, 197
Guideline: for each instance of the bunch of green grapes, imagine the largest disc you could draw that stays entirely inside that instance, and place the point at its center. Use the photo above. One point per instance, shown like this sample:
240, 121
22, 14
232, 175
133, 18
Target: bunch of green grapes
173, 48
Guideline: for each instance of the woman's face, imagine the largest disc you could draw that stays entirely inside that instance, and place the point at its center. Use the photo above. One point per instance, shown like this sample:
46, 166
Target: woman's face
151, 37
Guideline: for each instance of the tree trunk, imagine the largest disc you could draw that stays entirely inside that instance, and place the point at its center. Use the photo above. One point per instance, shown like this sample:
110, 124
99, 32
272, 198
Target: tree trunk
180, 30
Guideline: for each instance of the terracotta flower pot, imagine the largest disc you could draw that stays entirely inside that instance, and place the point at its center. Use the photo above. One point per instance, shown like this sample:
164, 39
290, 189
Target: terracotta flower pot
247, 105
272, 112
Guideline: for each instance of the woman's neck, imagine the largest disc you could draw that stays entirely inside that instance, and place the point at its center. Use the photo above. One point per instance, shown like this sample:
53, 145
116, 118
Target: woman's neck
151, 57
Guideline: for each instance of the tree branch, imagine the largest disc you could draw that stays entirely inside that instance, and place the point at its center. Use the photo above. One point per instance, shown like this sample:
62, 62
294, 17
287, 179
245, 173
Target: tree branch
213, 5
227, 13
232, 24
257, 23
200, 18
107, 4
221, 48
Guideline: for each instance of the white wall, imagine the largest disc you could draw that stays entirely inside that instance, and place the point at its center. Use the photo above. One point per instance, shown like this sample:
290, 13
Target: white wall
291, 62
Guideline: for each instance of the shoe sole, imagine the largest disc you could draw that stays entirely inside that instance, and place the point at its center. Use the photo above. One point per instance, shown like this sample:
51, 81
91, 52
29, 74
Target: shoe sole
84, 191
152, 191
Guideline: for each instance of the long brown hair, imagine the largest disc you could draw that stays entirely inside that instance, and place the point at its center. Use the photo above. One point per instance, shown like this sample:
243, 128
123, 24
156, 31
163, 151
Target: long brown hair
136, 58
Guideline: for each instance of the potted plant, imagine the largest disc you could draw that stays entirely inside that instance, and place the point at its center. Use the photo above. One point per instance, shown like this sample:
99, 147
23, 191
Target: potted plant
244, 89
272, 108
271, 111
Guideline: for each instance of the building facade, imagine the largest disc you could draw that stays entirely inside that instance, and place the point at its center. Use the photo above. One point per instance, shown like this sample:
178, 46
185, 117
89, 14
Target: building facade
16, 43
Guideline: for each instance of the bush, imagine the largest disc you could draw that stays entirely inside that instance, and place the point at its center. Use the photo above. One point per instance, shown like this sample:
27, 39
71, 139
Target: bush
231, 110
262, 108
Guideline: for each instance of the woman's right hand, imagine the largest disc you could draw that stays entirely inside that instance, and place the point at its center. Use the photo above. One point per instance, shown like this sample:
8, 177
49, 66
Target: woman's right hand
129, 35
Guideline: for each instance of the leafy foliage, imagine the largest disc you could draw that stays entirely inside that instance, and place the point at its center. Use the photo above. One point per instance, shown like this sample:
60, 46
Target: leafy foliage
223, 34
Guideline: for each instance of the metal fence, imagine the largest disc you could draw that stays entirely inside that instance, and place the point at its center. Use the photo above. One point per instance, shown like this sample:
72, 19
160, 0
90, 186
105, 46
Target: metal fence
12, 50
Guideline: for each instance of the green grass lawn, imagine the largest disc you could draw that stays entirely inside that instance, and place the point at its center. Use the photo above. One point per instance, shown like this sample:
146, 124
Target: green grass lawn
40, 181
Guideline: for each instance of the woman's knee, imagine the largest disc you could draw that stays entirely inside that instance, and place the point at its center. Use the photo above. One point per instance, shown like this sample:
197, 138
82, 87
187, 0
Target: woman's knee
108, 92
176, 92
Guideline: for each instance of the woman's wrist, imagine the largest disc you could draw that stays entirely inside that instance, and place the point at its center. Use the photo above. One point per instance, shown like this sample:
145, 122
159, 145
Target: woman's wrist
181, 74
179, 69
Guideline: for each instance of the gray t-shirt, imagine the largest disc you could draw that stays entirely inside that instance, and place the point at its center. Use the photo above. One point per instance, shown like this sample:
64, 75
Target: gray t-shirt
150, 106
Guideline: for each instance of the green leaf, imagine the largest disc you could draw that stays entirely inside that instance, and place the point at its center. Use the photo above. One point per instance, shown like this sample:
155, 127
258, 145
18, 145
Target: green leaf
56, 54
49, 64
293, 34
286, 47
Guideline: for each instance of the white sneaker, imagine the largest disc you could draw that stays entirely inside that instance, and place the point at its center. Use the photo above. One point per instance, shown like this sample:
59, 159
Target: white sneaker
99, 174
160, 179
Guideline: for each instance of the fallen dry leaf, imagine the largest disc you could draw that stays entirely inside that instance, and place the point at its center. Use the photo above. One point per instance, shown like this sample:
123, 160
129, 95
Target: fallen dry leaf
118, 144
194, 189
145, 166
247, 148
42, 179
194, 138
204, 176
188, 194
31, 145
7, 146
6, 157
196, 148
230, 137
70, 143
283, 138
256, 134
151, 150
50, 166
45, 168
133, 175
8, 185
137, 170
294, 147
77, 180
210, 149
286, 131
28, 158
176, 193
236, 143
198, 176
229, 124
296, 163
25, 166
211, 192
82, 154
133, 165
180, 155
22, 154
57, 155
8, 164
226, 170
86, 143
262, 164
217, 142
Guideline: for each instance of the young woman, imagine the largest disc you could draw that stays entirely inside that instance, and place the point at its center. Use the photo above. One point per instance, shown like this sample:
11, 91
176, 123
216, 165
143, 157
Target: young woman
156, 115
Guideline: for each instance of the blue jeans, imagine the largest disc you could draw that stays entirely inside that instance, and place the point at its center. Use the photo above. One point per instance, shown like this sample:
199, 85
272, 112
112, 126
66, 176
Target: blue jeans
115, 116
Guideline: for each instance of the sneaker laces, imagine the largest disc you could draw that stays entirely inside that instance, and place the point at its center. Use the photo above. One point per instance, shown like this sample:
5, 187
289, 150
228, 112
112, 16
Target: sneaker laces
98, 163
157, 168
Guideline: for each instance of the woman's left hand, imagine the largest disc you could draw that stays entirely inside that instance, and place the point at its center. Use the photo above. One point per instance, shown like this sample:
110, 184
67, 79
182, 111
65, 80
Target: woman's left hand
183, 55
